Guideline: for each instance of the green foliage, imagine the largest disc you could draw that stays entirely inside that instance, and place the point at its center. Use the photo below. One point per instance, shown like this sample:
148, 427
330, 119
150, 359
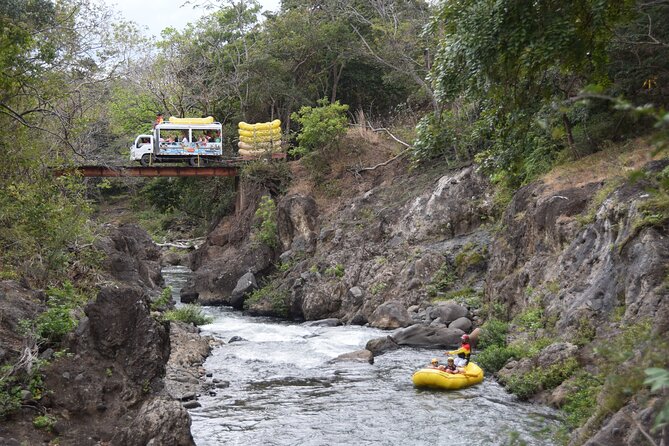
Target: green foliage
271, 293
266, 225
494, 357
442, 280
493, 333
322, 126
189, 313
44, 422
14, 379
470, 256
658, 380
44, 226
581, 401
164, 300
585, 332
59, 319
163, 203
530, 320
378, 287
336, 271
540, 379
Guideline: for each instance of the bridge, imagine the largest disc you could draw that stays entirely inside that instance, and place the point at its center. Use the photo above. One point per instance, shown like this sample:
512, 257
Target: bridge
152, 171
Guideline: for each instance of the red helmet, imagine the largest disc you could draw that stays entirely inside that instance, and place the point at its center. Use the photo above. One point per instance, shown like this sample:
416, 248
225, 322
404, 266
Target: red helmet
465, 337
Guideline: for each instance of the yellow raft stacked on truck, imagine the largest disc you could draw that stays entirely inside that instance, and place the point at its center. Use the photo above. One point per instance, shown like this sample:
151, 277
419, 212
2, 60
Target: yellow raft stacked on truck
191, 121
260, 138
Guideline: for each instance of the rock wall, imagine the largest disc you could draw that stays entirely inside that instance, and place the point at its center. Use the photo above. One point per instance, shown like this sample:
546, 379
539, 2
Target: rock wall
108, 387
581, 266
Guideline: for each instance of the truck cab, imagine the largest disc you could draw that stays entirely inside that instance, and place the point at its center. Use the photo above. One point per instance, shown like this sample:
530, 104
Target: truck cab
142, 149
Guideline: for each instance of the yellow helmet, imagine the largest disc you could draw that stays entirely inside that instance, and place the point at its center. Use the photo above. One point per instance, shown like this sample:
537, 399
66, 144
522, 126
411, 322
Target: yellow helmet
434, 361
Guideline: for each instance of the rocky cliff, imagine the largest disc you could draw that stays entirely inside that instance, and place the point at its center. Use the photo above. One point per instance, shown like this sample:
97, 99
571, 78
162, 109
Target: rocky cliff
569, 263
107, 385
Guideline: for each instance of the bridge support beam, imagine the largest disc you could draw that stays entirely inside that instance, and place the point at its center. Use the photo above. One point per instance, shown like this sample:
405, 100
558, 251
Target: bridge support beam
152, 171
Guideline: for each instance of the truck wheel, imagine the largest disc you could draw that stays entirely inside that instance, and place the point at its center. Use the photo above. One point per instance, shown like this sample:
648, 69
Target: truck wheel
194, 162
145, 160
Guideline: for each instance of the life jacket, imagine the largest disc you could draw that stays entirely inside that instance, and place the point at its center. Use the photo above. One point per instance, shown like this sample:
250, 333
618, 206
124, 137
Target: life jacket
451, 367
464, 352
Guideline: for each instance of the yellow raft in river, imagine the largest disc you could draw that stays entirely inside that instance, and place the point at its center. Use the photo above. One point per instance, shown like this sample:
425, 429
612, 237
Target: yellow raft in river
436, 379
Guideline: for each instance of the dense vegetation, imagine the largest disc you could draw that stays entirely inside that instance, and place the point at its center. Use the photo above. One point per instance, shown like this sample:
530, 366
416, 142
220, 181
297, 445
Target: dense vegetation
515, 86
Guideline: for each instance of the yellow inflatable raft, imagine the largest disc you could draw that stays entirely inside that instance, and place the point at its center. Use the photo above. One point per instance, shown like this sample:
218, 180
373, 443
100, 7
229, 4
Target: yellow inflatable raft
263, 146
436, 379
261, 125
189, 121
261, 133
254, 139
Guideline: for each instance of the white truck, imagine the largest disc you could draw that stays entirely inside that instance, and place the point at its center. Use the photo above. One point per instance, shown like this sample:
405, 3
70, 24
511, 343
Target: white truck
191, 140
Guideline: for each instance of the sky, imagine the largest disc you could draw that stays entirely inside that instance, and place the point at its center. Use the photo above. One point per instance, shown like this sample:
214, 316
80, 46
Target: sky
154, 16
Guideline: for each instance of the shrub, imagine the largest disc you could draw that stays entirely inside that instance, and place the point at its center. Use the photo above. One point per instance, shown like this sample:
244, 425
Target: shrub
658, 380
322, 126
164, 300
189, 313
266, 226
336, 271
539, 379
58, 320
44, 422
581, 401
493, 333
277, 298
493, 358
442, 280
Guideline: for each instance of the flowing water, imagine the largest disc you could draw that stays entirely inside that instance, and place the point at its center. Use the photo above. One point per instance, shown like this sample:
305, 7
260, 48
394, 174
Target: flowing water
284, 391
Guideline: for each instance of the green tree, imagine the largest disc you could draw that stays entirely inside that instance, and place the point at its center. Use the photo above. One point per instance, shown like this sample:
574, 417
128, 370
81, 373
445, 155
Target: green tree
322, 126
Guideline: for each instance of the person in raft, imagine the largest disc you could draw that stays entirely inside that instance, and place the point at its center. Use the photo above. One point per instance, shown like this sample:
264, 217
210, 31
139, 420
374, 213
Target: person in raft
434, 364
450, 366
463, 352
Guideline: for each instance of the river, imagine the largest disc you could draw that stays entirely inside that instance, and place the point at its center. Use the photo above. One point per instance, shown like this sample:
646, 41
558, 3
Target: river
284, 391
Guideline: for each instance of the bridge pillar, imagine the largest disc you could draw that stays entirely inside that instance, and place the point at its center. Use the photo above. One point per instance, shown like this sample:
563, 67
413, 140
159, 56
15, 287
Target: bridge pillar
239, 198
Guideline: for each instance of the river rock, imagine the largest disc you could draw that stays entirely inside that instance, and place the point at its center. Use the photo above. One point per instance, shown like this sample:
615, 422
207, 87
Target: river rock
419, 335
378, 346
245, 285
330, 322
390, 315
356, 356
448, 312
556, 353
461, 323
155, 422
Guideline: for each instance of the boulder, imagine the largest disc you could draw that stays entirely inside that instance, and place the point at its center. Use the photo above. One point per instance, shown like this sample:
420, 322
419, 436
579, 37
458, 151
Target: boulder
556, 353
461, 323
390, 315
419, 335
378, 346
448, 312
213, 282
331, 322
159, 421
356, 356
245, 285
